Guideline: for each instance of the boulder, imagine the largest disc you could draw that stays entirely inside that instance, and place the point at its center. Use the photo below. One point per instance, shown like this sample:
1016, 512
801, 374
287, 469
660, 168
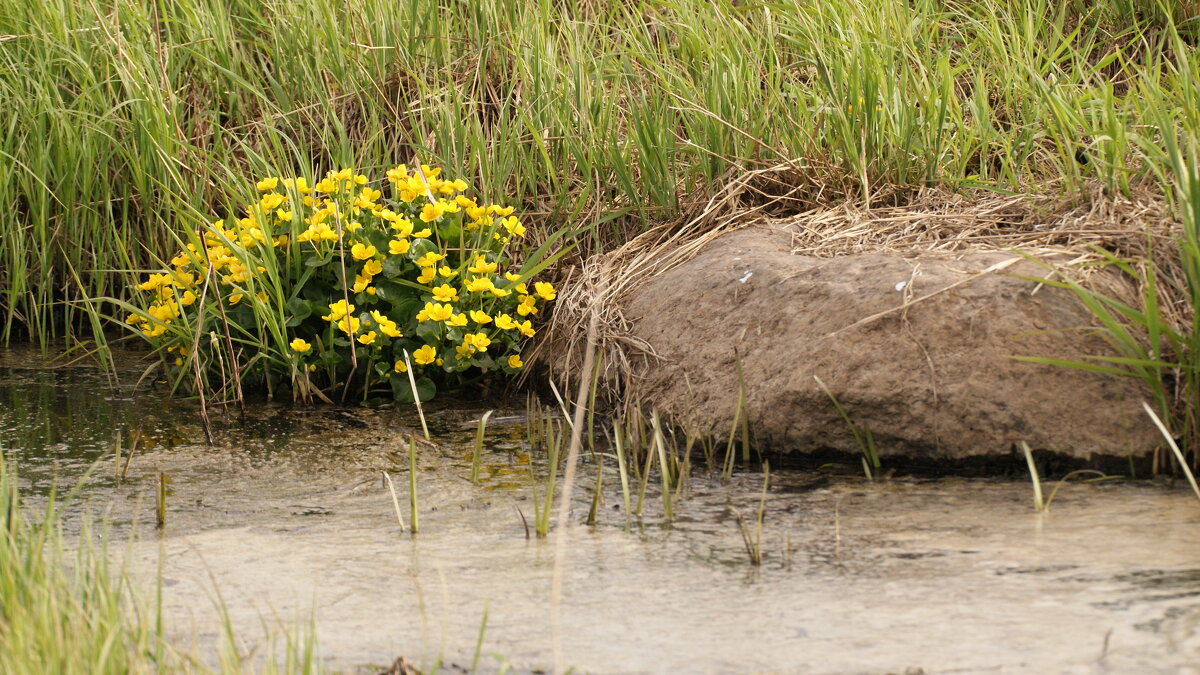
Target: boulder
931, 377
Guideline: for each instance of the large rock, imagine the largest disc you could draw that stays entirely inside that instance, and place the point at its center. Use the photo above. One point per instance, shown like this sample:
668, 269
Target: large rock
936, 380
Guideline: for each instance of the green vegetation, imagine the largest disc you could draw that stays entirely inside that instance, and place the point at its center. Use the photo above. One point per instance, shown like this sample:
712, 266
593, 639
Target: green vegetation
433, 284
131, 122
64, 609
60, 618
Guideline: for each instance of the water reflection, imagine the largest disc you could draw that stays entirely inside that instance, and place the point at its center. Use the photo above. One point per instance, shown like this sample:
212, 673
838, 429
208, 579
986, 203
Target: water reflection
287, 513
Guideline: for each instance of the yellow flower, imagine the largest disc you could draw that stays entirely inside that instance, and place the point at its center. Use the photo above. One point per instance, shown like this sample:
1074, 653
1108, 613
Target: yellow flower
544, 290
463, 352
300, 346
318, 232
349, 325
500, 292
403, 226
437, 312
425, 355
282, 215
427, 275
479, 341
512, 276
479, 285
155, 281
514, 361
400, 366
505, 322
367, 338
302, 185
479, 317
398, 246
397, 174
422, 234
431, 212
429, 259
482, 266
459, 319
372, 268
445, 293
526, 329
360, 283
235, 298
527, 305
386, 325
337, 310
446, 272
361, 252
271, 201
513, 226
267, 184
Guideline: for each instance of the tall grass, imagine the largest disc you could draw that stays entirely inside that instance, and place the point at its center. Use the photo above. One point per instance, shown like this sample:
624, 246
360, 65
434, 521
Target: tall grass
65, 609
129, 122
1153, 341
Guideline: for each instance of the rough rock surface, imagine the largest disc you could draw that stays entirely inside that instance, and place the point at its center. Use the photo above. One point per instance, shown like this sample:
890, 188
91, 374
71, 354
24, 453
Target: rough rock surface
936, 380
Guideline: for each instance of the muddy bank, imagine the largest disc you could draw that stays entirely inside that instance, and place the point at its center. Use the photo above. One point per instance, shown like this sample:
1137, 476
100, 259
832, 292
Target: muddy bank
919, 348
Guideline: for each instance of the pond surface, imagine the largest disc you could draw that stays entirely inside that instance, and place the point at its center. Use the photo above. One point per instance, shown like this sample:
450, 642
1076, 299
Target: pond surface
287, 518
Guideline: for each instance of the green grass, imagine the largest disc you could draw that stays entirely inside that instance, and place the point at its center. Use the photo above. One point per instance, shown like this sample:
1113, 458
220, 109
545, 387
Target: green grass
64, 611
131, 123
64, 608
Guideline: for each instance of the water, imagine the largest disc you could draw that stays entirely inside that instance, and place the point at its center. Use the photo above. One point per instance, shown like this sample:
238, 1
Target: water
287, 517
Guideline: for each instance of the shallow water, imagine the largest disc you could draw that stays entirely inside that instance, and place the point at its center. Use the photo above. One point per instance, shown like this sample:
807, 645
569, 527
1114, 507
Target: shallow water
287, 516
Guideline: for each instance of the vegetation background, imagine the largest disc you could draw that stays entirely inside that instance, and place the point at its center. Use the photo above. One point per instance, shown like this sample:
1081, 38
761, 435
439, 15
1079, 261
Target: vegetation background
129, 122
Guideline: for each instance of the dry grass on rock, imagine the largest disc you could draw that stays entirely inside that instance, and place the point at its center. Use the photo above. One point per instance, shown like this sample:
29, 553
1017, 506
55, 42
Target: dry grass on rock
1067, 232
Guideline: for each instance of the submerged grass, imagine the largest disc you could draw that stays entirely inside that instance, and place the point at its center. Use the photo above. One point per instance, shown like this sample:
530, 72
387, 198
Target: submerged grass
862, 435
130, 122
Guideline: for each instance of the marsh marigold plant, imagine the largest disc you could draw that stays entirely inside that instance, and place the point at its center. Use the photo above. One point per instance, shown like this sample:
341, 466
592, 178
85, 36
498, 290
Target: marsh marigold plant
343, 285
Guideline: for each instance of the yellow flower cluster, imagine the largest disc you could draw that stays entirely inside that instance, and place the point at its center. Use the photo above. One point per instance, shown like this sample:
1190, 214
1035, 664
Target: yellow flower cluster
423, 272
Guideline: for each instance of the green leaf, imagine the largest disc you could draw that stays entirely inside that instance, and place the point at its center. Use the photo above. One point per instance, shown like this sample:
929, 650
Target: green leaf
1077, 365
299, 310
398, 291
391, 268
318, 307
383, 368
429, 331
402, 389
